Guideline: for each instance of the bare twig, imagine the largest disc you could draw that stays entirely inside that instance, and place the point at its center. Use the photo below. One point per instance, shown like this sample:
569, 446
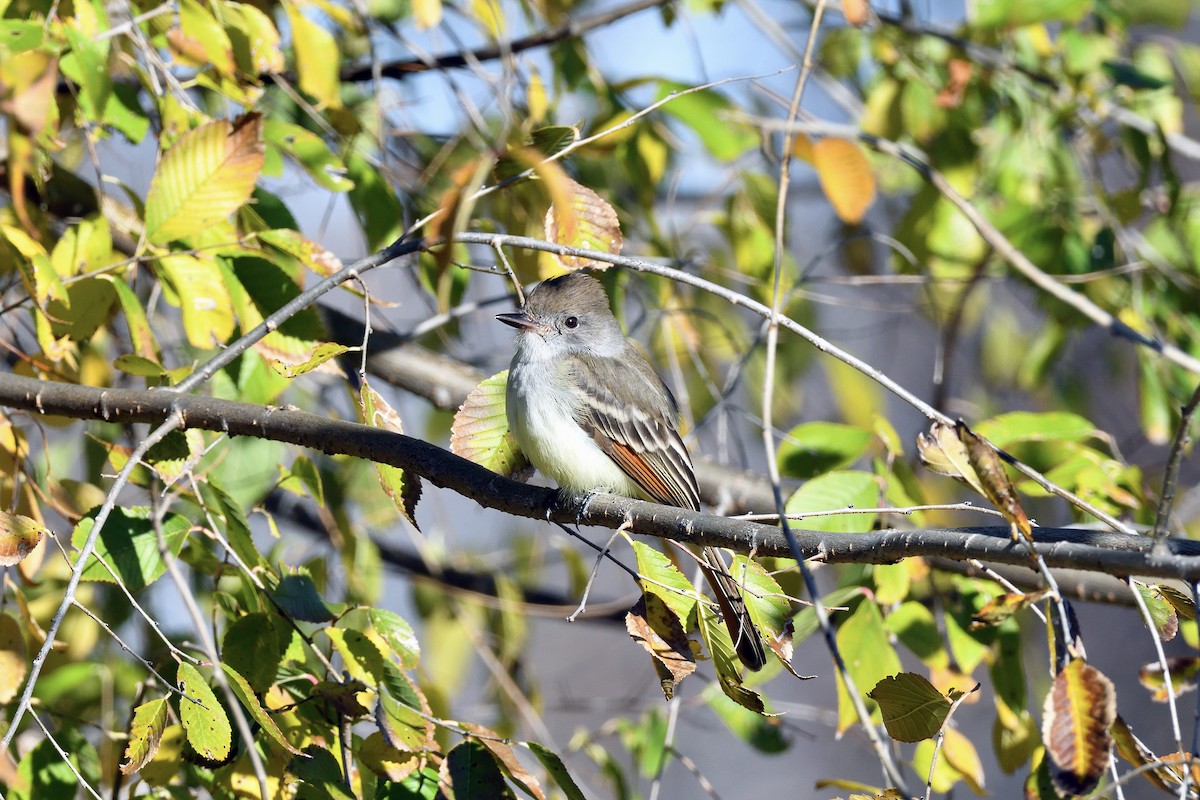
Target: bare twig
1162, 517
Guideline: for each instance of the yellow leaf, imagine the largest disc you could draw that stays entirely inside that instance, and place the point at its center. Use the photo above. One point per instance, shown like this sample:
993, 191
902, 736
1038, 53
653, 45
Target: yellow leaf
317, 59
845, 176
427, 13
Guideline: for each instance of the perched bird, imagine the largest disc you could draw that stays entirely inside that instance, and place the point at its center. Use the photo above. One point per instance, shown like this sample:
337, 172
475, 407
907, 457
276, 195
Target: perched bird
589, 411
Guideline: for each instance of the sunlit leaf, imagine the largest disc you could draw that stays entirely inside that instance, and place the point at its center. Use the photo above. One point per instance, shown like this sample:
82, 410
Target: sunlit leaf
480, 431
13, 664
204, 720
18, 536
145, 733
204, 177
654, 626
584, 220
317, 58
129, 544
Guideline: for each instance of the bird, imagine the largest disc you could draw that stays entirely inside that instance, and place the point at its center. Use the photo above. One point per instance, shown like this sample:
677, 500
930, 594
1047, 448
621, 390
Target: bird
589, 411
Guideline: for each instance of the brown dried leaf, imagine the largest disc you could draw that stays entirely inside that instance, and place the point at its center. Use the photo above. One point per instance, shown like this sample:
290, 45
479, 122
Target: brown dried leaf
1079, 709
656, 628
997, 486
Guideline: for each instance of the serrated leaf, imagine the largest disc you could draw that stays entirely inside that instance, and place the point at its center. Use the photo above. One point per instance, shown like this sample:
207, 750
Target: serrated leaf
204, 177
1079, 709
204, 720
1162, 611
361, 655
912, 708
298, 596
832, 491
254, 645
813, 448
663, 578
399, 636
310, 152
581, 218
245, 695
145, 733
18, 536
404, 489
480, 431
869, 657
129, 545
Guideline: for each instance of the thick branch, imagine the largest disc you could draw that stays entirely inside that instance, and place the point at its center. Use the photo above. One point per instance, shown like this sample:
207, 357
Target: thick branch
1114, 554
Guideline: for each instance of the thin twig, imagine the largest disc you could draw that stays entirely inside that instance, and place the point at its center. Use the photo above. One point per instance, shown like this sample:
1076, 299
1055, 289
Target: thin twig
1162, 517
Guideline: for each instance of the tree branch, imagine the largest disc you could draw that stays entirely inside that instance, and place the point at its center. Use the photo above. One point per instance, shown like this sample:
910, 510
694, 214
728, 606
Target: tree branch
570, 29
1114, 554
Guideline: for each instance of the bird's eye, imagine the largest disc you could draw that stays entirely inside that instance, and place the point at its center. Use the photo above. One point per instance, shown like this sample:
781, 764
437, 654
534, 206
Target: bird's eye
571, 322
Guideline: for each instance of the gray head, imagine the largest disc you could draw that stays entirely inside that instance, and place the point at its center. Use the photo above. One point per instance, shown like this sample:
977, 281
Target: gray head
567, 314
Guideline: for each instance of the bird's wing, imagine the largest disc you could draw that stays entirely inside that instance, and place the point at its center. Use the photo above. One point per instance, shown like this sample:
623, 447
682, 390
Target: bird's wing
632, 419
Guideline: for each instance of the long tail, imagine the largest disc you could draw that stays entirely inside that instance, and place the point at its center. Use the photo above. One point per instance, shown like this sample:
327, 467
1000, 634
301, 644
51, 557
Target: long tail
746, 641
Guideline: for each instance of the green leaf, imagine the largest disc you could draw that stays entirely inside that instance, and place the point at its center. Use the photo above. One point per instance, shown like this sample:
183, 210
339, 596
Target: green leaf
395, 631
480, 431
1162, 611
325, 351
765, 600
129, 545
298, 596
378, 210
725, 660
264, 720
254, 645
361, 656
556, 769
914, 625
204, 177
87, 65
145, 733
762, 733
204, 720
832, 491
869, 656
310, 152
471, 771
703, 112
1029, 426
813, 448
254, 38
663, 578
912, 709
1015, 13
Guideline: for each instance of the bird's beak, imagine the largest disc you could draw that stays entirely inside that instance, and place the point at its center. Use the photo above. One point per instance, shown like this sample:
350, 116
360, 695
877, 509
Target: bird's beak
519, 320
